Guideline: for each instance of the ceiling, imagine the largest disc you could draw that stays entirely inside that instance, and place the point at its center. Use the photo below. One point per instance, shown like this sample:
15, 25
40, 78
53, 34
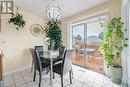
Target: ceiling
69, 7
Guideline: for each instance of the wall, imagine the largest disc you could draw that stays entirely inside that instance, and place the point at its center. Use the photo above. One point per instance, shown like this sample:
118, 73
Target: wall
15, 44
125, 53
0, 23
128, 62
114, 7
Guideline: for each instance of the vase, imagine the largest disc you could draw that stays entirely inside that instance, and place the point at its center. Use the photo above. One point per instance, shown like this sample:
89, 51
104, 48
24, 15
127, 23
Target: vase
116, 74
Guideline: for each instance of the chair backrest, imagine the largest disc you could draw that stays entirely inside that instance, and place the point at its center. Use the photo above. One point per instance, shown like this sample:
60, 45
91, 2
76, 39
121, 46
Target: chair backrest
61, 50
39, 49
36, 60
67, 61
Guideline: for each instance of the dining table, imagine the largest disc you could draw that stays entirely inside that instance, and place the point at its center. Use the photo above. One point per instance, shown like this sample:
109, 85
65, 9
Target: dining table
50, 55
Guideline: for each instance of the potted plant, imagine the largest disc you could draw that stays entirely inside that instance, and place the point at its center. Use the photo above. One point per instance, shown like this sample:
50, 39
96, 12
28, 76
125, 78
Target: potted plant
53, 32
112, 47
17, 20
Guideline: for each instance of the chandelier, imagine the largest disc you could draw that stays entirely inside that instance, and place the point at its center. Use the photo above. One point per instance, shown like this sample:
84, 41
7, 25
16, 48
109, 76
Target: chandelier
53, 11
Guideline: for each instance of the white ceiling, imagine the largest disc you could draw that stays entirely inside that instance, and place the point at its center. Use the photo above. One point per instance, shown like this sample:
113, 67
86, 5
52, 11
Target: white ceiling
69, 7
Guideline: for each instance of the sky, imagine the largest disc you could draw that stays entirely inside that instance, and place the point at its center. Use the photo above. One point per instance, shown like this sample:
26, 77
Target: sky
93, 29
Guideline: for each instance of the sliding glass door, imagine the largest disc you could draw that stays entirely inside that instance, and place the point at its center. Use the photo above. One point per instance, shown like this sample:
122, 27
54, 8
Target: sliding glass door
86, 40
94, 39
78, 44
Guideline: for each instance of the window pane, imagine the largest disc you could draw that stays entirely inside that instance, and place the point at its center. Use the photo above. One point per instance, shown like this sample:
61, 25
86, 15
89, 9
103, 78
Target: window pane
78, 36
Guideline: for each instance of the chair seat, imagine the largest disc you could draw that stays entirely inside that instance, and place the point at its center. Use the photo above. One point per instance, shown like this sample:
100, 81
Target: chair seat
42, 59
59, 58
45, 64
58, 68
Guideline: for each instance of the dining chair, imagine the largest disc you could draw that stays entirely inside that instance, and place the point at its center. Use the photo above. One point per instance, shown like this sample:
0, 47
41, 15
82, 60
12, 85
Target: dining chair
65, 66
38, 64
59, 58
40, 50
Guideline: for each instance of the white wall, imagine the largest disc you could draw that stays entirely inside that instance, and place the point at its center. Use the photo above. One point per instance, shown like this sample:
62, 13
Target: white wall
128, 62
15, 44
126, 52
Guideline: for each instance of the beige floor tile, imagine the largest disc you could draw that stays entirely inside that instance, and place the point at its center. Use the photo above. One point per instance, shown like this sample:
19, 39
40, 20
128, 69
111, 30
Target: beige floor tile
82, 78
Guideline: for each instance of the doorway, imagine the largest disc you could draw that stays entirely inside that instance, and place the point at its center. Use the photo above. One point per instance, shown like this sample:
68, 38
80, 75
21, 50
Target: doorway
86, 40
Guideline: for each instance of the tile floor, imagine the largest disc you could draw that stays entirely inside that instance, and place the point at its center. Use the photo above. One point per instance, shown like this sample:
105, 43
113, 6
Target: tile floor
82, 78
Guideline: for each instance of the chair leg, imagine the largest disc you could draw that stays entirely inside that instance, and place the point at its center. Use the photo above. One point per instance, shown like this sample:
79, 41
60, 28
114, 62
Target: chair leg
47, 70
53, 75
34, 75
70, 72
40, 78
61, 80
32, 67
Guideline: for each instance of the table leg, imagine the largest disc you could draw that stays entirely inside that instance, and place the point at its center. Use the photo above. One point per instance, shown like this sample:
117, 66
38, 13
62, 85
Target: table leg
51, 73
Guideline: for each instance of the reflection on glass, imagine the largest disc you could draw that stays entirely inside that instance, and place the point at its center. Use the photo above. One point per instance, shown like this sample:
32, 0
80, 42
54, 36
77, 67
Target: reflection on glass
78, 44
94, 39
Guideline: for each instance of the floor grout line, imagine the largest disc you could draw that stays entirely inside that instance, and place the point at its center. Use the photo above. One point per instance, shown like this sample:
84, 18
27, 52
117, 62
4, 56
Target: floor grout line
84, 80
103, 81
38, 76
79, 76
93, 80
5, 80
24, 79
14, 79
32, 76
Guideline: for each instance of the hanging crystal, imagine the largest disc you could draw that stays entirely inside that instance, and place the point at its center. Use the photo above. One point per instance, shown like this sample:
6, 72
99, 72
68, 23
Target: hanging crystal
53, 11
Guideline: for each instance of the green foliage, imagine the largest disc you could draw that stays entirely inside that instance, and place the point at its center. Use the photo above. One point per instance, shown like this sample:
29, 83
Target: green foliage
17, 20
113, 42
53, 32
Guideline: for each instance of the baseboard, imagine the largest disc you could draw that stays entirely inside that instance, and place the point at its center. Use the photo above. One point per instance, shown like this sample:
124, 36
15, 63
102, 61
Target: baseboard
8, 73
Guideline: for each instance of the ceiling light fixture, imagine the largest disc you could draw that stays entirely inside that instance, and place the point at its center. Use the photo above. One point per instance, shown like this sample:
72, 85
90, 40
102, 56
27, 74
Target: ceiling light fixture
53, 11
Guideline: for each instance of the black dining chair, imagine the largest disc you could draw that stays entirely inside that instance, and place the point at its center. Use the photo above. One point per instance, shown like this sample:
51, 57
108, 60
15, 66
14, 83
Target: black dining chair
59, 58
65, 66
38, 64
40, 50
